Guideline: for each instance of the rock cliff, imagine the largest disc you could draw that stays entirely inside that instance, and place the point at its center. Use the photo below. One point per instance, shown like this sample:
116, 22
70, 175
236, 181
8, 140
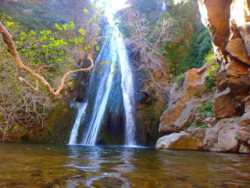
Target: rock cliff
228, 22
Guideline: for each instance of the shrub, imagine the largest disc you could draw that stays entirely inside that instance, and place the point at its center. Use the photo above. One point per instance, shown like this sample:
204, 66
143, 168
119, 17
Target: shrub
206, 109
210, 78
196, 124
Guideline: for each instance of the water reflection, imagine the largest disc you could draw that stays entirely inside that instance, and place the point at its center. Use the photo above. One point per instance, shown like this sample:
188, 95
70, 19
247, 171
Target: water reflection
30, 165
87, 159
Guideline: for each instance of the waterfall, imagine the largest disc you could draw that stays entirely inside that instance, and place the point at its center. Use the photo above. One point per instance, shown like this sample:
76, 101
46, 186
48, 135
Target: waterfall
127, 91
113, 59
101, 98
80, 116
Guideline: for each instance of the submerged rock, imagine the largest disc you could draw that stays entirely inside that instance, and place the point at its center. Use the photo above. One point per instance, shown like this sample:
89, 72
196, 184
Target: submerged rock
192, 139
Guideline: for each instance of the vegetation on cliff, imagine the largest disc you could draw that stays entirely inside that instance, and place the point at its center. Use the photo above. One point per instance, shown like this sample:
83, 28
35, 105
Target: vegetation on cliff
50, 45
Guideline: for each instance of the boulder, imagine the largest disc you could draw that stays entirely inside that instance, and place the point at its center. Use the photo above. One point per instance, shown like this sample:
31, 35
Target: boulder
221, 82
210, 121
238, 77
224, 136
191, 139
244, 148
183, 101
235, 46
245, 127
224, 105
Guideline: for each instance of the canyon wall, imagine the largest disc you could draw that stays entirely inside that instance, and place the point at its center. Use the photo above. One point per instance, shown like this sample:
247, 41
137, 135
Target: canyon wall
228, 22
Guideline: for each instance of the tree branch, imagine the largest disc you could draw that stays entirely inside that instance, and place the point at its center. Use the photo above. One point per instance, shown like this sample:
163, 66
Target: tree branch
8, 39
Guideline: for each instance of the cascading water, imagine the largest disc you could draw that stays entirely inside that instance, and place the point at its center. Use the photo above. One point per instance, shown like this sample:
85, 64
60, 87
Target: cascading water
113, 59
101, 98
80, 116
127, 90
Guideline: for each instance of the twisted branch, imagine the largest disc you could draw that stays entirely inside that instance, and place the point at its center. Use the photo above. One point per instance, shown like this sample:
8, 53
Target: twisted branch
8, 39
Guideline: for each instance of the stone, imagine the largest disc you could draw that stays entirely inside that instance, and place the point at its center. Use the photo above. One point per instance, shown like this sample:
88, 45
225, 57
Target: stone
210, 121
224, 105
244, 148
192, 139
223, 137
240, 17
199, 118
221, 82
238, 77
183, 101
245, 127
234, 47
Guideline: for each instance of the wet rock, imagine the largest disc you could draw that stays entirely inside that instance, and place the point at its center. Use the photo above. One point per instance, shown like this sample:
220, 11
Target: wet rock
223, 136
192, 139
224, 105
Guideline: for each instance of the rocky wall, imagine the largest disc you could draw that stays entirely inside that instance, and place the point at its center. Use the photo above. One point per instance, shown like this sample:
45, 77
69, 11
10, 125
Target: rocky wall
228, 22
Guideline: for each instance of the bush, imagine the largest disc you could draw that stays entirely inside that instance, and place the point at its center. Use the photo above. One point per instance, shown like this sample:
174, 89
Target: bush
196, 124
210, 78
206, 109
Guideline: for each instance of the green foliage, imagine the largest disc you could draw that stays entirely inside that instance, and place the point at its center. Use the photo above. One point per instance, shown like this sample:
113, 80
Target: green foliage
210, 58
206, 109
196, 124
180, 79
210, 78
50, 49
237, 136
198, 95
86, 10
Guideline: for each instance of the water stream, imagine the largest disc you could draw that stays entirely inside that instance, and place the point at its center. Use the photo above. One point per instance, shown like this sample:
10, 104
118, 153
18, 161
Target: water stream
80, 116
103, 91
112, 61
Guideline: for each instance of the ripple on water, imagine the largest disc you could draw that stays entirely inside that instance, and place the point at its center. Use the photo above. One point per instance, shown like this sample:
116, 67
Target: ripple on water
32, 165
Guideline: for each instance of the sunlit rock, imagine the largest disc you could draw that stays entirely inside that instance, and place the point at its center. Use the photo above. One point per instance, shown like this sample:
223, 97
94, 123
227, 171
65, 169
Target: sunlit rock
192, 139
184, 99
224, 136
224, 105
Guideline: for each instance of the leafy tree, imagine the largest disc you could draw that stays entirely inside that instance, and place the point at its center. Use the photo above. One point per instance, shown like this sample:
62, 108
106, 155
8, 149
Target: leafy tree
41, 57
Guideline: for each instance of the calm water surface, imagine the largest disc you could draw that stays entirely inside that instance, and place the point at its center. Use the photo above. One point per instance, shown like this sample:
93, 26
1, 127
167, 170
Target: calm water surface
31, 165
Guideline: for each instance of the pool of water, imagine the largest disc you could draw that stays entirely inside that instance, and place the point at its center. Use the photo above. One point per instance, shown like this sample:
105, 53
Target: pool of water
32, 165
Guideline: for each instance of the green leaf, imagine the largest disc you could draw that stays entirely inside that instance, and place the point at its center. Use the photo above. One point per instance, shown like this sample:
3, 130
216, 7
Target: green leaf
86, 10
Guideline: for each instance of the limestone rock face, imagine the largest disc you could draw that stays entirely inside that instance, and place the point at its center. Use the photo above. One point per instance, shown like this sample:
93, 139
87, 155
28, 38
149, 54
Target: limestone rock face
183, 100
192, 139
229, 24
245, 129
223, 136
224, 105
